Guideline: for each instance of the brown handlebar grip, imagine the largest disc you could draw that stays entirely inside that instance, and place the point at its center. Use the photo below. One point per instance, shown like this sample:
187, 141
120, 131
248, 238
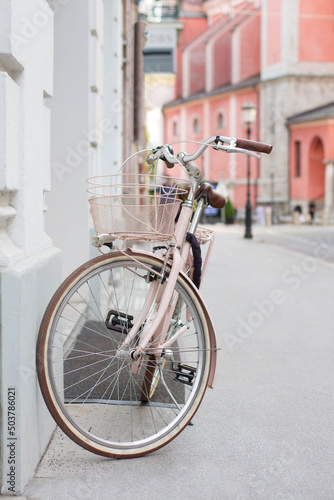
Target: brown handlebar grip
258, 147
215, 199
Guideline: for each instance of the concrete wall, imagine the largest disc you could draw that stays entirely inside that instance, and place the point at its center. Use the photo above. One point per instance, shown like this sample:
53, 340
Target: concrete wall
29, 264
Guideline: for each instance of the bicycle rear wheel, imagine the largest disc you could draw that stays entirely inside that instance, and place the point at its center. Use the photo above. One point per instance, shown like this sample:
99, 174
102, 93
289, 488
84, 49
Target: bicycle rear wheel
96, 393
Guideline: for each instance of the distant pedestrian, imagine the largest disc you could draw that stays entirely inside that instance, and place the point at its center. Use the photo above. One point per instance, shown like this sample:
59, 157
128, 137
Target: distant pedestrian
311, 211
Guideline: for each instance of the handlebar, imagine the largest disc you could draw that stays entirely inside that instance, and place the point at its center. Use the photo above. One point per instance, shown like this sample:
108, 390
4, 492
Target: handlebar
259, 147
220, 143
227, 144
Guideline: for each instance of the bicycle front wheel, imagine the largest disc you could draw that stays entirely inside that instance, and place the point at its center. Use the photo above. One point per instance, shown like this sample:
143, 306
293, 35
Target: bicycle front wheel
97, 394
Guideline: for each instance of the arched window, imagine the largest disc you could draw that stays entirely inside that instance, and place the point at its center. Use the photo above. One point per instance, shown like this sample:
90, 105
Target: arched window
316, 173
221, 121
196, 126
298, 163
317, 149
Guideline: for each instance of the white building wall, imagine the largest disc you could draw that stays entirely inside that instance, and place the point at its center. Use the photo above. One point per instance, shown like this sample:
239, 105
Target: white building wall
86, 123
29, 264
84, 79
76, 95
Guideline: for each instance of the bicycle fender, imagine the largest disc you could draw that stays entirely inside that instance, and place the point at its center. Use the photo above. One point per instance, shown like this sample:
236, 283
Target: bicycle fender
211, 329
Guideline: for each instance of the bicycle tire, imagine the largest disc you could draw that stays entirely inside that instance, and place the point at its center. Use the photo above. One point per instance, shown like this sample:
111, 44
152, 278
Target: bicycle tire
95, 409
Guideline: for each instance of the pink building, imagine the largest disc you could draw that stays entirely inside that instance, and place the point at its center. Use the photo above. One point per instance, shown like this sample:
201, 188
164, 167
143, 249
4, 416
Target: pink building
280, 59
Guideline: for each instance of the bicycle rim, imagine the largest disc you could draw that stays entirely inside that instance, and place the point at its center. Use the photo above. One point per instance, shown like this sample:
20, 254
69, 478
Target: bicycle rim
93, 391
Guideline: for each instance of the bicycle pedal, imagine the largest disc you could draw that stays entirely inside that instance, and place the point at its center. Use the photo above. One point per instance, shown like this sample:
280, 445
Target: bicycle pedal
185, 374
118, 321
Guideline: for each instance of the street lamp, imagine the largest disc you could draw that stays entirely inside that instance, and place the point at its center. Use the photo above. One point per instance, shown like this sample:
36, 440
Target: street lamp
248, 116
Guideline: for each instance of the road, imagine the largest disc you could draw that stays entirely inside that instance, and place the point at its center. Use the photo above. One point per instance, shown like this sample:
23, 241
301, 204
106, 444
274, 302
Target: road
266, 430
317, 241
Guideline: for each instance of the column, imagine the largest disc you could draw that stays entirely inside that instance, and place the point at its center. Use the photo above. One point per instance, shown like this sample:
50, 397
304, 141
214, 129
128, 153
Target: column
76, 127
329, 188
185, 74
206, 133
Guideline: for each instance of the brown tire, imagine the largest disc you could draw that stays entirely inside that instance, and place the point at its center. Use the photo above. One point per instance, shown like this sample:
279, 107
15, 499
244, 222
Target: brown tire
88, 383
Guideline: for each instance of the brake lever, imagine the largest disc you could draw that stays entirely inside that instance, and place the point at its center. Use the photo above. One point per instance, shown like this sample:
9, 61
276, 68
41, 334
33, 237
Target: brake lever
158, 153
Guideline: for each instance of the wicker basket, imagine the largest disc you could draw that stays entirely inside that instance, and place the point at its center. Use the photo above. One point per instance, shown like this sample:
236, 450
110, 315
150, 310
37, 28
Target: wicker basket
143, 211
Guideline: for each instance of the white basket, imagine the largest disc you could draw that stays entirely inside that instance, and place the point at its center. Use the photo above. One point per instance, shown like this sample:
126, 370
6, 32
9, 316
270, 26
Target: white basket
143, 211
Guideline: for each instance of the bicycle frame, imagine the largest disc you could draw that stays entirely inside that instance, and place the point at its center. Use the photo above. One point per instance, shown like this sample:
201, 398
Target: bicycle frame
161, 296
178, 263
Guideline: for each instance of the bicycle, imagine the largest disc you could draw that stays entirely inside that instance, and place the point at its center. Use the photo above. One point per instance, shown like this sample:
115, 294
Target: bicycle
126, 347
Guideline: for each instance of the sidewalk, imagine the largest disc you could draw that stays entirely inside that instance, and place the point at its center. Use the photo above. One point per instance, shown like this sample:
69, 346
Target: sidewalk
266, 430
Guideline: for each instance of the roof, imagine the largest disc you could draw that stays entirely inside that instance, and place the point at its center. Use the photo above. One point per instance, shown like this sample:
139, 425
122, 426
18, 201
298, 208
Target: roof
250, 82
321, 113
222, 24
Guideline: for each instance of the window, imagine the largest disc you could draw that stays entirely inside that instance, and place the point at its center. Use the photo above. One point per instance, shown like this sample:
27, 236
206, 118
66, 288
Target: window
175, 129
158, 61
196, 126
297, 158
221, 121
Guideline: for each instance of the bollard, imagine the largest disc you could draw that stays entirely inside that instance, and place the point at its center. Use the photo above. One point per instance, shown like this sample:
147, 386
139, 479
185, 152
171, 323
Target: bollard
324, 218
268, 216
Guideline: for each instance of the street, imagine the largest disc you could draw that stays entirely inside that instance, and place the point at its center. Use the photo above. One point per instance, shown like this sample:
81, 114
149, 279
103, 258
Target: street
317, 241
266, 430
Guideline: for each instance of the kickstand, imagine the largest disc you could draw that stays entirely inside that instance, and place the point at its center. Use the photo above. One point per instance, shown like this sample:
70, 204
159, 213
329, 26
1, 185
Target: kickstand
166, 387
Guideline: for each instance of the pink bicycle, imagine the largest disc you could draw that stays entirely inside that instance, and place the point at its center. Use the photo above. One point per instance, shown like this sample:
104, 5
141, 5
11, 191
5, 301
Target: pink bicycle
126, 347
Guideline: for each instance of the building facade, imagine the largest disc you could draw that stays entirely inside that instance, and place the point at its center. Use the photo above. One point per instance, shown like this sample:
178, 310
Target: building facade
275, 54
71, 107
